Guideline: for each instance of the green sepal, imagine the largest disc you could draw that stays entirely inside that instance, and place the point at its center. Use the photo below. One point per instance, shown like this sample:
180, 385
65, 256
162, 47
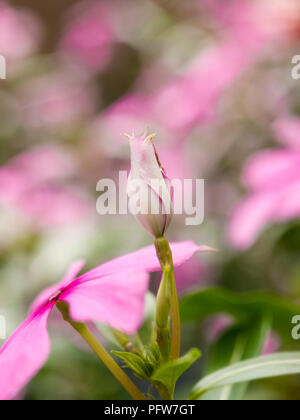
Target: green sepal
169, 373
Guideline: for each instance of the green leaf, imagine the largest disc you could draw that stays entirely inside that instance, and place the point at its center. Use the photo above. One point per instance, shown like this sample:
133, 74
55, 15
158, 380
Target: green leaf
277, 364
240, 342
136, 363
170, 372
244, 307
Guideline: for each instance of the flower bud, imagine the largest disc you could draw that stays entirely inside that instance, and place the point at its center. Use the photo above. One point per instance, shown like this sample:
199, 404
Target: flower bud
148, 187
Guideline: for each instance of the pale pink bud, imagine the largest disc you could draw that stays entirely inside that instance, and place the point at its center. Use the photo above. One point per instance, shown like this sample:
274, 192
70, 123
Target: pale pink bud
148, 187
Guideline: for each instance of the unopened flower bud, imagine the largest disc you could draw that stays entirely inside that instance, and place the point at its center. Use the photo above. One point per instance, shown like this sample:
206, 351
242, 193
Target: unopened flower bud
148, 187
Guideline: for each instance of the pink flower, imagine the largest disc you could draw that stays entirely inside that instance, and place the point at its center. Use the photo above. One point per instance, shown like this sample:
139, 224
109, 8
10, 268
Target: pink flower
193, 98
189, 275
135, 110
131, 111
272, 343
273, 177
54, 205
29, 182
33, 167
112, 293
20, 32
148, 186
57, 99
187, 100
217, 325
90, 35
146, 259
257, 21
287, 131
279, 19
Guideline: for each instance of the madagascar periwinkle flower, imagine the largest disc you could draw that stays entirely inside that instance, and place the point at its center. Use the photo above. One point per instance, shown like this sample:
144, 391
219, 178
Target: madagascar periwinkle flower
273, 179
31, 183
112, 293
148, 187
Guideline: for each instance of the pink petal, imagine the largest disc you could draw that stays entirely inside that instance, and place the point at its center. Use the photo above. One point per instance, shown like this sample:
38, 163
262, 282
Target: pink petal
217, 325
45, 295
24, 353
193, 98
21, 32
130, 112
145, 259
288, 131
250, 217
272, 343
189, 274
13, 183
289, 203
53, 205
55, 99
267, 206
44, 163
116, 300
272, 168
89, 35
145, 169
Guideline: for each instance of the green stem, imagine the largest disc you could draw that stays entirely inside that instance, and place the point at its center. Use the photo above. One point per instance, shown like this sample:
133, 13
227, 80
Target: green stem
109, 362
165, 394
168, 286
163, 340
175, 318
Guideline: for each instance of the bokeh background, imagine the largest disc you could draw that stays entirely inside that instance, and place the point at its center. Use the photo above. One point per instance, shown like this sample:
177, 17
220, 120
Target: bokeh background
214, 79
